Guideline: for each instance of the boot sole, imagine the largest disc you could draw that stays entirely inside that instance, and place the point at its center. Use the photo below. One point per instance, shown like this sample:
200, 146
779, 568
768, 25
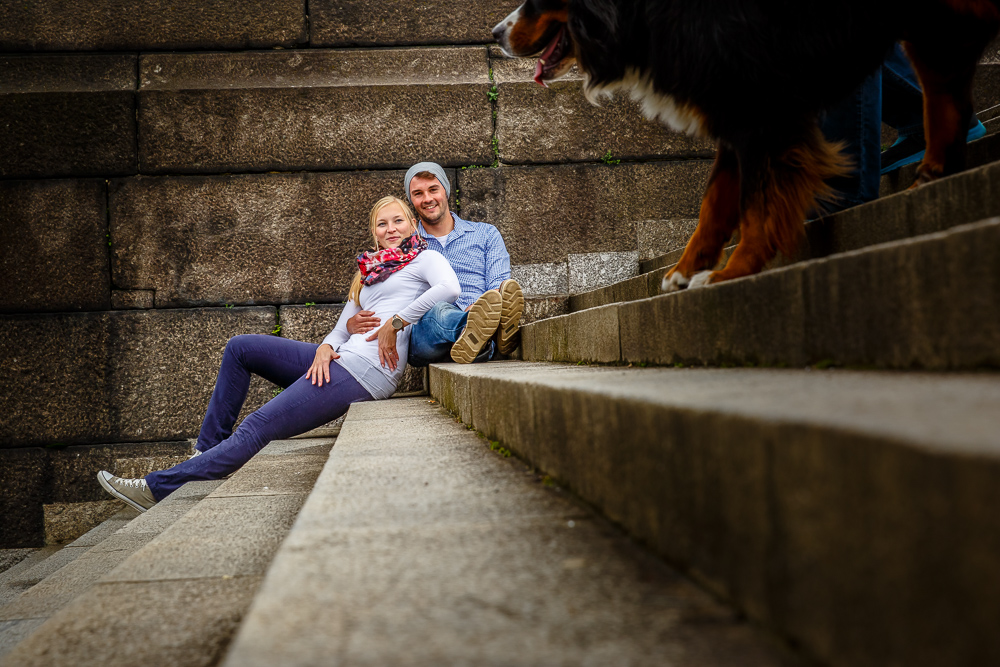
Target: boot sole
508, 335
482, 323
118, 494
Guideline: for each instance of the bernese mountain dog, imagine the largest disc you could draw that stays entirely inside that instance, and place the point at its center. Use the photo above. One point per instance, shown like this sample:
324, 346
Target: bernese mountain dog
755, 75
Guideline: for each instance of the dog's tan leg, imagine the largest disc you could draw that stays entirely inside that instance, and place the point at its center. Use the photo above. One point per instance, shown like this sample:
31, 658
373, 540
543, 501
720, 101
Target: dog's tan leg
778, 191
945, 48
717, 220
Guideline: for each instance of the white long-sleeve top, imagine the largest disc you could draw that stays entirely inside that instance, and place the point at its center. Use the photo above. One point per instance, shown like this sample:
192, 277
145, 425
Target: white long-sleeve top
409, 293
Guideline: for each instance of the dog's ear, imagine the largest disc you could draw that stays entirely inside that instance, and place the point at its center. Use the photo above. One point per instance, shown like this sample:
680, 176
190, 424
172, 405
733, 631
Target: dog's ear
595, 26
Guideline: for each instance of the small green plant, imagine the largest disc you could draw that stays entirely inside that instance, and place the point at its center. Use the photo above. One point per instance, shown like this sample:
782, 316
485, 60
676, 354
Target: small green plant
824, 364
309, 303
276, 330
276, 391
678, 365
548, 481
108, 235
502, 451
229, 305
491, 74
608, 159
495, 143
492, 94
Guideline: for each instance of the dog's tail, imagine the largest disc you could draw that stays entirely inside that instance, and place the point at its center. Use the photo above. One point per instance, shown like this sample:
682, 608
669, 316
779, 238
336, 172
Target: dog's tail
797, 182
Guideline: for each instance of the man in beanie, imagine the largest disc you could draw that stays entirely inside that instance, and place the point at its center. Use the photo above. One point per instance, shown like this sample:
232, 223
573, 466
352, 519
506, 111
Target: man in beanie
485, 319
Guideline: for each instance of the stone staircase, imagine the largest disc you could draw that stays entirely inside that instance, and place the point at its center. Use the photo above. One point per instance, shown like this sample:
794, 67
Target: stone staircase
167, 587
171, 172
793, 452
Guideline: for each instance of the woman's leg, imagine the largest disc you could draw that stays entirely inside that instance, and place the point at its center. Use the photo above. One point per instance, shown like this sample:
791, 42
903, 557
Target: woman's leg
299, 408
277, 360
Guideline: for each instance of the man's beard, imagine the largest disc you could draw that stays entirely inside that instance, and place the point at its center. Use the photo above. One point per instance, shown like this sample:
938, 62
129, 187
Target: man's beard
441, 211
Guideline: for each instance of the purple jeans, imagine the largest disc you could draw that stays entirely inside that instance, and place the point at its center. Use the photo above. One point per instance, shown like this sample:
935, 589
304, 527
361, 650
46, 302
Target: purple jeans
300, 407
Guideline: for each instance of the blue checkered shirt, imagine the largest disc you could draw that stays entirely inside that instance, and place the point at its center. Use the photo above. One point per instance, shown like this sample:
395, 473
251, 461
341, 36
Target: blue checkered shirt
477, 253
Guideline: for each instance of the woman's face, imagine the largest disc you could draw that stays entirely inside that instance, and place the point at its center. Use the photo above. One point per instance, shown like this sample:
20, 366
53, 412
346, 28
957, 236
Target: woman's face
391, 226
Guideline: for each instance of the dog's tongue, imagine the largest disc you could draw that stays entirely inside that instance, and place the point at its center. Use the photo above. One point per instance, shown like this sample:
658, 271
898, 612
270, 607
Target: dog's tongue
540, 65
538, 74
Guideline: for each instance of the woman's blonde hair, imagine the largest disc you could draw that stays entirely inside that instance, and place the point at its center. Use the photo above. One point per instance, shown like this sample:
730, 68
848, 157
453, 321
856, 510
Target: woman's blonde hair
355, 293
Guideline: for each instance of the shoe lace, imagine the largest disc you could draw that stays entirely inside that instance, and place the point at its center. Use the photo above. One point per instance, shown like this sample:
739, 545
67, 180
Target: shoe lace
132, 483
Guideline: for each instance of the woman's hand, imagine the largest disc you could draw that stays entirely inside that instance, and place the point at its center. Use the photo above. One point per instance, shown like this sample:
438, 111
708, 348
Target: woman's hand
386, 335
320, 369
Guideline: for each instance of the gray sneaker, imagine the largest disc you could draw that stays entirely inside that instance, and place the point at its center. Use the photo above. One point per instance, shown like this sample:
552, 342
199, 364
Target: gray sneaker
135, 492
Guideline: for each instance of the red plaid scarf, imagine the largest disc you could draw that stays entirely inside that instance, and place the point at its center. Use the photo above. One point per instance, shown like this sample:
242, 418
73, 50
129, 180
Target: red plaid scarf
378, 265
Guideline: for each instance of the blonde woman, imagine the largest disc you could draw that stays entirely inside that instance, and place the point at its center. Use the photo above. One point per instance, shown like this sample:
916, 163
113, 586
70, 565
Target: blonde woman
400, 280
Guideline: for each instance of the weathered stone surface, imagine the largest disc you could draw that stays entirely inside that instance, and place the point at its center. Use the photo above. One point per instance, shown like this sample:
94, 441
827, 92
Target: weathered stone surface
65, 522
596, 269
127, 376
934, 307
121, 25
218, 537
22, 494
545, 213
309, 323
313, 323
587, 336
12, 632
374, 23
394, 560
67, 115
658, 237
268, 238
33, 478
851, 513
83, 631
11, 557
541, 307
283, 467
53, 246
558, 124
264, 111
540, 279
132, 299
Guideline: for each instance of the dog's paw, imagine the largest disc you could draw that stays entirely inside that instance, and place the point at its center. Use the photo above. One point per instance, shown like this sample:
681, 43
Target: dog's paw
701, 279
675, 282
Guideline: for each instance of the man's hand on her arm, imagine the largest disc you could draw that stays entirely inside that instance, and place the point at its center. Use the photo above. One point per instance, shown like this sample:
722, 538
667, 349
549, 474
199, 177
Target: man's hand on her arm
320, 368
363, 322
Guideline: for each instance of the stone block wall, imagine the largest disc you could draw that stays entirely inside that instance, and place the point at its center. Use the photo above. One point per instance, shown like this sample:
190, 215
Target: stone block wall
173, 173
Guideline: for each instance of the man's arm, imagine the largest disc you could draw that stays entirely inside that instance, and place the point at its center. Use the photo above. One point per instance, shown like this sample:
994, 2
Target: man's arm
497, 260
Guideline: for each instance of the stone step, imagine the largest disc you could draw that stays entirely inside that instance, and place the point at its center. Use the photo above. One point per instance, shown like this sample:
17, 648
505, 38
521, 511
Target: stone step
927, 302
71, 571
418, 545
851, 512
54, 25
183, 572
960, 199
306, 109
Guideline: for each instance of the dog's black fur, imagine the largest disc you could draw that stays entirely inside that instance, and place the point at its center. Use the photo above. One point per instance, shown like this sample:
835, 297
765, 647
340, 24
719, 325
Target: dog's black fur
756, 75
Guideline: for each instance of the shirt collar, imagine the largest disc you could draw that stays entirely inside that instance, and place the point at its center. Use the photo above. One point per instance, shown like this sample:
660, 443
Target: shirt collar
461, 226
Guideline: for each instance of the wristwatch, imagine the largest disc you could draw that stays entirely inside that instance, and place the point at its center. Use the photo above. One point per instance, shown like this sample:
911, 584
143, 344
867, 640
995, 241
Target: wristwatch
397, 322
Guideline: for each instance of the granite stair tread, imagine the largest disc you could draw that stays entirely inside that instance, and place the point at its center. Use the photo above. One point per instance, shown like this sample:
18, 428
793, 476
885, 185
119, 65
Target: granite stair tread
845, 510
420, 545
929, 301
899, 214
179, 576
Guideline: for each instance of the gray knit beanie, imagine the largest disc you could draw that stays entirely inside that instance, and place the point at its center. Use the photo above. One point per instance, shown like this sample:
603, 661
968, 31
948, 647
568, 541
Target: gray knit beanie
432, 167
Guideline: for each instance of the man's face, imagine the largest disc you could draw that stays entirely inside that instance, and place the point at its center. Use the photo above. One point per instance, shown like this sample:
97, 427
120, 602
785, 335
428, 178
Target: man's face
429, 199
